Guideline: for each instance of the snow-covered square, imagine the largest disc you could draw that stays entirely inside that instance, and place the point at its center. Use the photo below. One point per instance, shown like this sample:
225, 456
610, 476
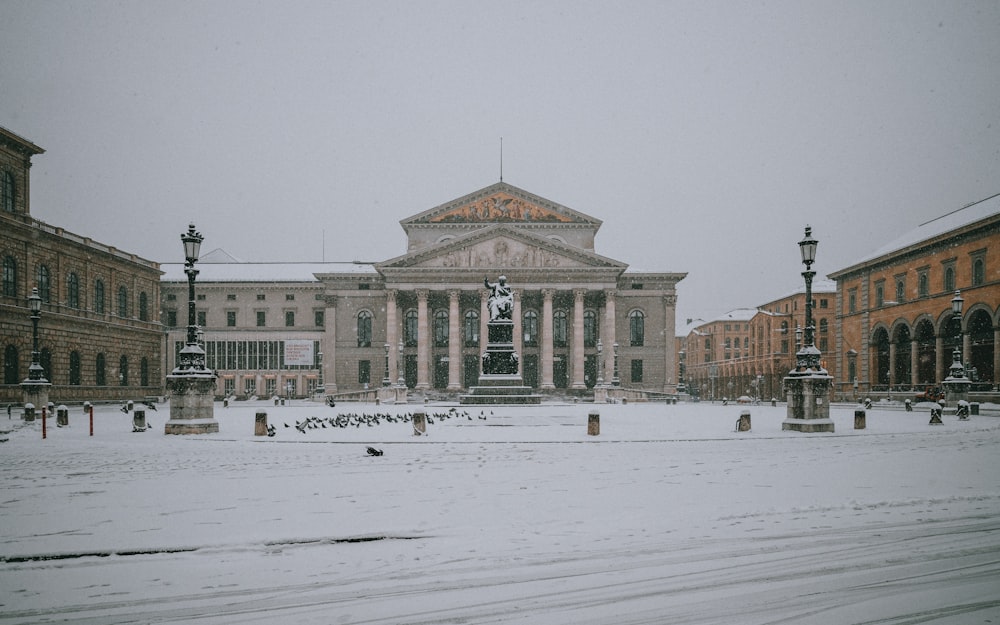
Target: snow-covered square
502, 515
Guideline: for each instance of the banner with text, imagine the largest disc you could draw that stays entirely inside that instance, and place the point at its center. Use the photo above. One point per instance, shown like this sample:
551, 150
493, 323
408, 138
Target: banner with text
299, 353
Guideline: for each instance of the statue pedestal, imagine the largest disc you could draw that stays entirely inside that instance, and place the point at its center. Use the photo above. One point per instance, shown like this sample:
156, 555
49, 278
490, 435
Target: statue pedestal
955, 389
500, 381
36, 392
192, 398
808, 401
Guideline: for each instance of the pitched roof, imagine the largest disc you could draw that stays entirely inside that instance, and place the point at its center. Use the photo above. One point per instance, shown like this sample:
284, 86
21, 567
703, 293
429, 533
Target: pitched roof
262, 272
500, 203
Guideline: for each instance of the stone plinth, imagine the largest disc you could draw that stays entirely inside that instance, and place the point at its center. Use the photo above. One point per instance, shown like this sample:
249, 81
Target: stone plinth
956, 390
36, 392
192, 398
500, 381
808, 401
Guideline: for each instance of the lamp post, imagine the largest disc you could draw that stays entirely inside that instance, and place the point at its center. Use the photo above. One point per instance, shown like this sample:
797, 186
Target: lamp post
600, 361
192, 383
956, 371
192, 357
808, 384
681, 386
36, 374
615, 379
385, 380
400, 379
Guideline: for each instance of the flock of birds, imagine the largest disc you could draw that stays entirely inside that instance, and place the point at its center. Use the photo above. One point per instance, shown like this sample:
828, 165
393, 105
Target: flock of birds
356, 419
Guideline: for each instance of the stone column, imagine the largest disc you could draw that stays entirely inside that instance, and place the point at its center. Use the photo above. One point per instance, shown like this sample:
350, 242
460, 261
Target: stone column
329, 347
577, 349
966, 349
423, 340
392, 332
669, 349
454, 342
610, 321
939, 359
892, 365
546, 338
914, 363
996, 354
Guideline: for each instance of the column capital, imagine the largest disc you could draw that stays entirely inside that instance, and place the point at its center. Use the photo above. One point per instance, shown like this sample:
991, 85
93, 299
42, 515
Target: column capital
330, 301
453, 294
548, 293
578, 294
670, 299
610, 293
422, 294
390, 294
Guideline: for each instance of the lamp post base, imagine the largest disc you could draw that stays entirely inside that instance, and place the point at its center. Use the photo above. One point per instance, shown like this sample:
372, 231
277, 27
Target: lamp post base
36, 392
192, 398
808, 401
956, 390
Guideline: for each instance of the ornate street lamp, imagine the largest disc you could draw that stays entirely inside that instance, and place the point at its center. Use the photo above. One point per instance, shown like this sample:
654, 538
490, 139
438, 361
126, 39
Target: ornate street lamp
36, 373
615, 380
385, 380
956, 370
400, 378
808, 357
600, 361
192, 357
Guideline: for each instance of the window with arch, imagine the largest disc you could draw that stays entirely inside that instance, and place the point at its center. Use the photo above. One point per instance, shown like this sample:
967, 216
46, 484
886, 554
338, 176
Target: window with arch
410, 328
100, 371
900, 291
923, 285
144, 372
441, 328
530, 328
365, 328
123, 371
9, 276
10, 365
471, 329
784, 337
560, 329
949, 278
72, 290
879, 295
99, 296
589, 328
123, 302
75, 370
7, 189
143, 307
978, 271
636, 328
44, 282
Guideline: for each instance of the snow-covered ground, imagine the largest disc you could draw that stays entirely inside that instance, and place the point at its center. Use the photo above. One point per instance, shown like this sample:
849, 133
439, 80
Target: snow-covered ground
668, 516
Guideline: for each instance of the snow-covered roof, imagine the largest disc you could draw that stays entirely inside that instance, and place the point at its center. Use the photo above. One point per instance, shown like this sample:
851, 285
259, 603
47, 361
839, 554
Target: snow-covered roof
821, 285
262, 272
967, 215
737, 314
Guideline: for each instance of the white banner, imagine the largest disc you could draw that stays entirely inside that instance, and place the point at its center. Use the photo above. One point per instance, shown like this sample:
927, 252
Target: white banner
299, 353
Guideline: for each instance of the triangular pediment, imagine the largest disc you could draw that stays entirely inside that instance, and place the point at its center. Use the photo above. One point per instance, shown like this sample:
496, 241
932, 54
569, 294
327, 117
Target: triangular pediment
501, 247
501, 203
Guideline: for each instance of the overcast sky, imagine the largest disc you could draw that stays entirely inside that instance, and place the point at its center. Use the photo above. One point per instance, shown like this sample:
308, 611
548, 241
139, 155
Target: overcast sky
705, 135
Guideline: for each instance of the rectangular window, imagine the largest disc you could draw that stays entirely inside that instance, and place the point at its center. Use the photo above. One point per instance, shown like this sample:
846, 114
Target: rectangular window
231, 318
231, 297
636, 371
171, 318
289, 297
200, 297
202, 318
171, 297
318, 318
364, 371
260, 297
823, 303
289, 318
852, 300
261, 319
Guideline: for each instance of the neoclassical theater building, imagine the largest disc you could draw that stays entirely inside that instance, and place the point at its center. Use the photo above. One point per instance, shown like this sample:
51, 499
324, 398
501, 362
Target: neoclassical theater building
421, 318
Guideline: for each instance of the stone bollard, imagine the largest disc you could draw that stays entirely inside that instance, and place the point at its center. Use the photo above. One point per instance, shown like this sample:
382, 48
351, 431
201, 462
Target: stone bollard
62, 416
139, 420
774, 403
378, 401
935, 415
962, 410
743, 425
594, 423
275, 401
974, 408
909, 405
29, 412
260, 423
859, 419
225, 403
130, 405
419, 423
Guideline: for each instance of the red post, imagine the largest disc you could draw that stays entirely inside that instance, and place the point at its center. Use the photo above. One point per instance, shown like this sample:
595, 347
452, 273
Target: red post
91, 420
43, 422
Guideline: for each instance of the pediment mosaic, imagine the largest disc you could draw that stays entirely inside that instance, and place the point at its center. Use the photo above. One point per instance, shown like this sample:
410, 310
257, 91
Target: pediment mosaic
500, 207
502, 252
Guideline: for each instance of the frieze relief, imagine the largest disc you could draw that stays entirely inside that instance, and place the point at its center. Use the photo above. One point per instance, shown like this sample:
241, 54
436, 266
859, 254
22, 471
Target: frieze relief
502, 253
501, 208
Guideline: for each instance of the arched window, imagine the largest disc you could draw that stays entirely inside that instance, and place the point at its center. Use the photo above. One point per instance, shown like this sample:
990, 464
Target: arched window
410, 328
636, 328
9, 276
589, 328
949, 279
10, 365
471, 329
99, 297
784, 337
364, 329
122, 302
923, 288
123, 371
560, 328
72, 291
978, 272
143, 307
100, 371
441, 328
74, 368
900, 291
144, 372
44, 284
530, 327
7, 191
879, 296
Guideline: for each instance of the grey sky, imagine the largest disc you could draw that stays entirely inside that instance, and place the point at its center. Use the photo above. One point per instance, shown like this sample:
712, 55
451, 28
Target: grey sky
704, 134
